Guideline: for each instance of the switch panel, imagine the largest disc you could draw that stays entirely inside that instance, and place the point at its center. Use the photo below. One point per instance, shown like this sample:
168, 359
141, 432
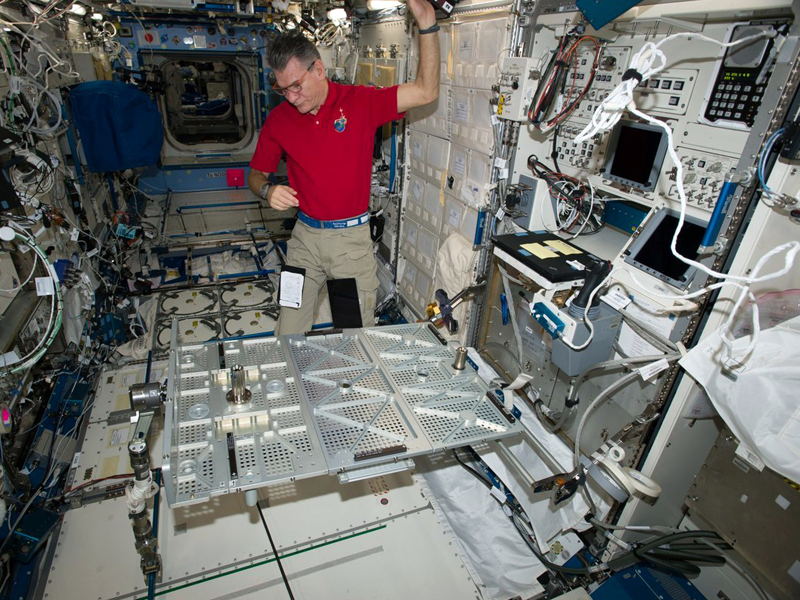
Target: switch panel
703, 176
516, 89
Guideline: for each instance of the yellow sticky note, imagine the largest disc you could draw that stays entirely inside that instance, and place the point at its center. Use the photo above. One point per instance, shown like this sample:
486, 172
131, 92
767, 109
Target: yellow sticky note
538, 250
562, 247
123, 402
110, 466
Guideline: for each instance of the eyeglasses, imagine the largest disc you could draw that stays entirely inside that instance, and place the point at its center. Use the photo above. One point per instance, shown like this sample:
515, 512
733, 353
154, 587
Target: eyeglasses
294, 87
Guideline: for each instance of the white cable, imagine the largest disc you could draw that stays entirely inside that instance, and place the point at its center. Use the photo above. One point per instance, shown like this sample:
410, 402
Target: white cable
541, 215
56, 308
512, 310
41, 46
649, 61
586, 318
791, 249
43, 184
605, 394
24, 283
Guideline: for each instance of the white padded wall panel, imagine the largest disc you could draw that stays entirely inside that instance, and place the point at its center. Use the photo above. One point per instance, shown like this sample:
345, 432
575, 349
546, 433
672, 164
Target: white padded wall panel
471, 119
478, 46
429, 156
468, 175
464, 220
425, 203
433, 118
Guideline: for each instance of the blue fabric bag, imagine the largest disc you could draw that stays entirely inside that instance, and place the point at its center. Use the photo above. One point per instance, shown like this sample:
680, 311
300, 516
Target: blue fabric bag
119, 125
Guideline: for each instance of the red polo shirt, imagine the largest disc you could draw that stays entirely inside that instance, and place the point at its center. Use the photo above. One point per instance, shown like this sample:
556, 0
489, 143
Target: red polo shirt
328, 155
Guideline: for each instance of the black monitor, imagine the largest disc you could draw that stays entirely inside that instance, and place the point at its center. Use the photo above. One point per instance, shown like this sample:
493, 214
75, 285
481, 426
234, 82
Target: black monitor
651, 252
635, 155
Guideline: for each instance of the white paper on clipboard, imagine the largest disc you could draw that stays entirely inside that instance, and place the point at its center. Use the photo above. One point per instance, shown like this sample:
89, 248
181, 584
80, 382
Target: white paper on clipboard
291, 287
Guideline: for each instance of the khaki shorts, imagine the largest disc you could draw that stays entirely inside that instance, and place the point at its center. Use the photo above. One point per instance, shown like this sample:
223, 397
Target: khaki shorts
330, 254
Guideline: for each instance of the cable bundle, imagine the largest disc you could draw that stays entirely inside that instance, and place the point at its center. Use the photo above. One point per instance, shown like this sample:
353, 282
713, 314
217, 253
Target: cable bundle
553, 86
649, 61
56, 306
575, 199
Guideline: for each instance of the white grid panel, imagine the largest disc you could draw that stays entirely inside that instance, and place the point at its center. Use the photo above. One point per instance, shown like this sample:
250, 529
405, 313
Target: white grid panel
429, 156
478, 47
356, 409
268, 439
425, 202
472, 119
468, 175
451, 406
319, 404
433, 118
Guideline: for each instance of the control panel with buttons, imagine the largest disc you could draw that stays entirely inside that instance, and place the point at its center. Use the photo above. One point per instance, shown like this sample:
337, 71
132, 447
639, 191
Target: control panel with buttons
703, 176
609, 74
516, 89
588, 155
668, 92
741, 78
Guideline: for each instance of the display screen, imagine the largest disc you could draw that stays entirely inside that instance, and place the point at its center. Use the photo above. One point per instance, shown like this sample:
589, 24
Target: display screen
655, 253
635, 155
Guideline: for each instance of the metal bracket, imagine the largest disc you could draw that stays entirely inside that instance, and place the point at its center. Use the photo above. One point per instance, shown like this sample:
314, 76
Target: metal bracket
352, 475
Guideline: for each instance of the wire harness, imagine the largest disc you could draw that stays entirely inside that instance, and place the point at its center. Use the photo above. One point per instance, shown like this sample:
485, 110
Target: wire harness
649, 61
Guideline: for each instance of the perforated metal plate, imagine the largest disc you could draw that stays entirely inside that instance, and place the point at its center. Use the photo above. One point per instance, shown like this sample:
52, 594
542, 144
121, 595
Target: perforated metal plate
452, 407
358, 414
216, 447
320, 404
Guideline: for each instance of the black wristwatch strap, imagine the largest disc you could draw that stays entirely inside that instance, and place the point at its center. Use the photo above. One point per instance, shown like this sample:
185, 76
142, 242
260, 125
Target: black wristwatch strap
264, 191
432, 29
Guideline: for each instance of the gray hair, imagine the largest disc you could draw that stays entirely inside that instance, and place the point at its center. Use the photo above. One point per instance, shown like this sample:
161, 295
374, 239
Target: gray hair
287, 46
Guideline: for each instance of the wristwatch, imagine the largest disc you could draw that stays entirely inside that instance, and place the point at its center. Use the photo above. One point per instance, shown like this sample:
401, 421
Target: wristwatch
264, 190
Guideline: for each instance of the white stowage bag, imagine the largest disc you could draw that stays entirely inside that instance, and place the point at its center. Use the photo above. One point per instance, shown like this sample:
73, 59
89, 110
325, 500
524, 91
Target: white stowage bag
455, 261
138, 348
757, 399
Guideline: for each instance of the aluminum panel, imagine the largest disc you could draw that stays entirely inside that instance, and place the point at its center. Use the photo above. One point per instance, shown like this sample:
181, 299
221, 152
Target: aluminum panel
358, 415
452, 406
217, 447
317, 404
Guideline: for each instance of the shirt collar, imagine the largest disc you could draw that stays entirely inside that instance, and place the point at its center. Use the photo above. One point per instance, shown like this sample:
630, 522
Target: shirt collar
333, 94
